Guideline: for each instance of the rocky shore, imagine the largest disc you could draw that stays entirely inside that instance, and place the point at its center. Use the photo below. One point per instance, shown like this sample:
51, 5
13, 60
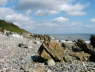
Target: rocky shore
21, 54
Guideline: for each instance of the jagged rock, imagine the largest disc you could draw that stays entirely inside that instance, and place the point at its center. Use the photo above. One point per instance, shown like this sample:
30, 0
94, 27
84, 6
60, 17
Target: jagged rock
92, 40
68, 58
63, 44
22, 45
87, 48
51, 50
76, 48
81, 56
83, 46
41, 37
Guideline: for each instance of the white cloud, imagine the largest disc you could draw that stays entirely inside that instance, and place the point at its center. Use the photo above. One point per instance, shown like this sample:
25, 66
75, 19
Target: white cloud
61, 19
74, 10
77, 13
41, 13
70, 27
52, 12
3, 2
18, 19
21, 15
53, 6
29, 12
93, 20
45, 12
5, 11
38, 4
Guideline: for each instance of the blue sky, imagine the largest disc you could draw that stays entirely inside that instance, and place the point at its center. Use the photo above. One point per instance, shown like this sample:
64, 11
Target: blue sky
50, 16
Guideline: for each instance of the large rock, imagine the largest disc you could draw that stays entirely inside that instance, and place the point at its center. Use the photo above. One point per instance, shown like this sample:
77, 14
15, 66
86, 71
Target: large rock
81, 44
92, 40
81, 56
84, 46
87, 48
51, 50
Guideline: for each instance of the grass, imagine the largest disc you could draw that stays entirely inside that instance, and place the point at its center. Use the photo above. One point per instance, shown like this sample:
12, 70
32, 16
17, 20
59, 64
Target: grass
4, 25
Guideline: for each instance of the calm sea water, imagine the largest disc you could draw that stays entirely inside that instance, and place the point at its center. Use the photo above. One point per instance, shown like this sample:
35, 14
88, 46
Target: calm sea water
71, 37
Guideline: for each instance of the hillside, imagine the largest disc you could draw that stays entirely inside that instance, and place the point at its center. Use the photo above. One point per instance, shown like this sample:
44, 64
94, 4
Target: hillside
4, 25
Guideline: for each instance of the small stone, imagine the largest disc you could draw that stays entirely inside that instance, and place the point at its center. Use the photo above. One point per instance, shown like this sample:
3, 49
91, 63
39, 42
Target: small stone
49, 70
22, 45
51, 62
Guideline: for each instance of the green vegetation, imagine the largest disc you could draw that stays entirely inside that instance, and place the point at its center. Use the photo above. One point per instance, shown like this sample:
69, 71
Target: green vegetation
10, 27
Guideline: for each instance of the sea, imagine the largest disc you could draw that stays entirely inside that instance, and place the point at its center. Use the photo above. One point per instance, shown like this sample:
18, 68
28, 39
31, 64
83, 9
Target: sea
71, 37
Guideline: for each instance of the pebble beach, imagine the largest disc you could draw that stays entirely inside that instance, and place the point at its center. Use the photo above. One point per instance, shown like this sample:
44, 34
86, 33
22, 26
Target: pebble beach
19, 59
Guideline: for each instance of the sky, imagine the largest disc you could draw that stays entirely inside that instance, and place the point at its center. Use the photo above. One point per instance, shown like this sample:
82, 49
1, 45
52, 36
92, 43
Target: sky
50, 16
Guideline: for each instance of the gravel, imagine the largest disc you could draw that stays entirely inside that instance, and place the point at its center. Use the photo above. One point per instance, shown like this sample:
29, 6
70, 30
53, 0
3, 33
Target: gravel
13, 57
75, 66
18, 59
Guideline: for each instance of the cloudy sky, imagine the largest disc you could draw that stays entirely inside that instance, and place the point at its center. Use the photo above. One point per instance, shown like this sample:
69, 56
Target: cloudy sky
50, 16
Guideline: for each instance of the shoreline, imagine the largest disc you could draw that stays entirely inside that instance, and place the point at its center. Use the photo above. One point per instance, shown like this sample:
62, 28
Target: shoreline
64, 41
71, 37
67, 40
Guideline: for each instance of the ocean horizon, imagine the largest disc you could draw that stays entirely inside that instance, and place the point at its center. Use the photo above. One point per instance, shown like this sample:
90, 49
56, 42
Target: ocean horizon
71, 37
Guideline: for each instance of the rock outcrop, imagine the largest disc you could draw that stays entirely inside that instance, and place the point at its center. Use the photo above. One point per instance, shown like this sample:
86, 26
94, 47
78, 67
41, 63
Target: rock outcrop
92, 40
81, 56
41, 37
81, 44
87, 48
51, 50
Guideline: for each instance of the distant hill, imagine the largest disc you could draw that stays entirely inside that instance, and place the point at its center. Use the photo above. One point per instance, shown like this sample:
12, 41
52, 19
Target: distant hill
4, 25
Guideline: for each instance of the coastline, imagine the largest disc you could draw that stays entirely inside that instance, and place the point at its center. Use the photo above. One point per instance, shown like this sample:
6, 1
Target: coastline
67, 40
71, 37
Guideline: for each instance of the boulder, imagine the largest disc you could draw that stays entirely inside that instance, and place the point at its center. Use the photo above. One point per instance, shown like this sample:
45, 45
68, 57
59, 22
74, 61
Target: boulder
85, 47
81, 56
81, 44
92, 40
76, 48
51, 50
63, 45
